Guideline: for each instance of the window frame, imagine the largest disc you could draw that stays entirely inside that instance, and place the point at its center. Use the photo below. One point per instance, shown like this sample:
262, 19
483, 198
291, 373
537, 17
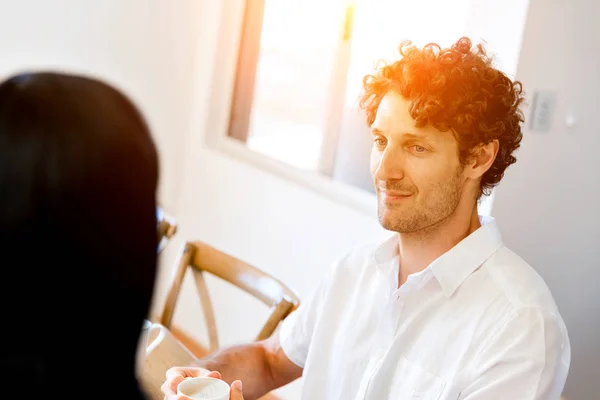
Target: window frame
222, 108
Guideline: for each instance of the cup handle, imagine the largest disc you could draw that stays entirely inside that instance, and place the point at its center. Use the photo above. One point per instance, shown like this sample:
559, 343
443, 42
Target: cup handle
157, 340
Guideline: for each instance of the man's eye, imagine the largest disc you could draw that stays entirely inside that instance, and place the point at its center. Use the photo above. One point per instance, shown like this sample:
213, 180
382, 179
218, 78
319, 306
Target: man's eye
419, 149
380, 142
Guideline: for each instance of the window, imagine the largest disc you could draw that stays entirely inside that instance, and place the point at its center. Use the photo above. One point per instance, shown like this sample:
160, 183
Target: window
287, 68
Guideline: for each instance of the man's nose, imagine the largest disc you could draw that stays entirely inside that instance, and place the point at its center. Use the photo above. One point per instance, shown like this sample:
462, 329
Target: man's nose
389, 165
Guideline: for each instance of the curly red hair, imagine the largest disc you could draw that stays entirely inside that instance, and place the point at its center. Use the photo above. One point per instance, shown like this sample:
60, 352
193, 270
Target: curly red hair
454, 89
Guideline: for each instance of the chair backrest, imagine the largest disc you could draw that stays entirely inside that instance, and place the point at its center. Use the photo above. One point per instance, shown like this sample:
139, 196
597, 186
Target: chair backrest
166, 227
201, 258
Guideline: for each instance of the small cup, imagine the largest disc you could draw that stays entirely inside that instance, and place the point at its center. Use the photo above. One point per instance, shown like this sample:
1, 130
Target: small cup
203, 388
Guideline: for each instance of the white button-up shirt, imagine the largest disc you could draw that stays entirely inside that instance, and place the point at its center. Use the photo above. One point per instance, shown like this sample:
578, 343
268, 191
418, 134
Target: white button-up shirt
477, 324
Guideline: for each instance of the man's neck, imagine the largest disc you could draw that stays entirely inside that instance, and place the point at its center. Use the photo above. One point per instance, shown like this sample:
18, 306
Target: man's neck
419, 249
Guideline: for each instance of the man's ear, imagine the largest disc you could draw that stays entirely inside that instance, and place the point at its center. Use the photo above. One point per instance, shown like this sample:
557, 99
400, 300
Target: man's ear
482, 158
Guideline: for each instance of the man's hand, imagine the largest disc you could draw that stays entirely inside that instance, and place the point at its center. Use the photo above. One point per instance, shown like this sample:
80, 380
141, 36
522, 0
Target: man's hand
176, 375
262, 366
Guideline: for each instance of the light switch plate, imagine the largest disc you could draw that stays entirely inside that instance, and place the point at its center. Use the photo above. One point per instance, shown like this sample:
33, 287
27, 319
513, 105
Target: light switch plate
542, 110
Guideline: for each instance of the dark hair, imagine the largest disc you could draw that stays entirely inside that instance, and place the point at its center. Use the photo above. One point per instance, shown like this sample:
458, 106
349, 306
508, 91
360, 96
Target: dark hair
78, 180
455, 89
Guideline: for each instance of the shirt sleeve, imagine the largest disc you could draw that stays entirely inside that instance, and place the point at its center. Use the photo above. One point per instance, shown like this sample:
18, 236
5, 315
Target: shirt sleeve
527, 358
297, 329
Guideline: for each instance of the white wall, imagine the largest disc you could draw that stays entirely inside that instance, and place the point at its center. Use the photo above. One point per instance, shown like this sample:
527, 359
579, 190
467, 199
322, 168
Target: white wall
500, 26
145, 47
547, 205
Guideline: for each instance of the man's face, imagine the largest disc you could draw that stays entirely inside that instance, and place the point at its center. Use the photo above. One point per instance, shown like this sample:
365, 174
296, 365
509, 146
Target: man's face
416, 171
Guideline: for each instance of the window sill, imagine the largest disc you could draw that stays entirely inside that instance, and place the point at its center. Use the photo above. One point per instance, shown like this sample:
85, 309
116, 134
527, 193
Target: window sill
341, 193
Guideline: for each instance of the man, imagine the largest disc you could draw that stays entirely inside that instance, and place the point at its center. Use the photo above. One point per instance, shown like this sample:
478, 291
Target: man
441, 310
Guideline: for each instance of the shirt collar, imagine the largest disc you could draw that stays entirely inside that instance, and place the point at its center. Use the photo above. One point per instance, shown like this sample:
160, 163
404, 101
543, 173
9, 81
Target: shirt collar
453, 267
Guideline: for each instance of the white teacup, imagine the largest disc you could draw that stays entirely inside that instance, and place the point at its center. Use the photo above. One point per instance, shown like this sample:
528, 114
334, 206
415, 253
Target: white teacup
203, 388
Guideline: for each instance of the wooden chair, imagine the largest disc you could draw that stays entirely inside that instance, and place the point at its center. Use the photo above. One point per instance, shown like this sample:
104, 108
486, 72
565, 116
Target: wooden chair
202, 258
166, 228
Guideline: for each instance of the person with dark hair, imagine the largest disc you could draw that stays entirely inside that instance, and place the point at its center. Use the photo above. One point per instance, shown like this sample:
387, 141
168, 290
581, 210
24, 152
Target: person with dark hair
442, 309
78, 181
